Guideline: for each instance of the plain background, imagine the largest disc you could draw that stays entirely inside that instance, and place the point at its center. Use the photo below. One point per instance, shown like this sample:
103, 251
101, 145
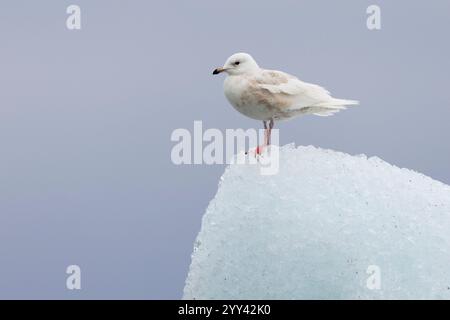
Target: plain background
86, 117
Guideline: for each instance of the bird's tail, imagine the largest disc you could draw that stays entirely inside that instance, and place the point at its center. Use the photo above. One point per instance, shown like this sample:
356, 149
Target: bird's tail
332, 106
337, 103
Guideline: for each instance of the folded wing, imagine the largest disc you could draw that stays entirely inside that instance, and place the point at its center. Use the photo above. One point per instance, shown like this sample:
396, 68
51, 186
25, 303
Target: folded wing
306, 97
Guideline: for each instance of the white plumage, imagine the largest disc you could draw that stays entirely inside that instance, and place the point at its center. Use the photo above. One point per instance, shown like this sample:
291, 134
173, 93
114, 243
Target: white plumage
274, 95
270, 95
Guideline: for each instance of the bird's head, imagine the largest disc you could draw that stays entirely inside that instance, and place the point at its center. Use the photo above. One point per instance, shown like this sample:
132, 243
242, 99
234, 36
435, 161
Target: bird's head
238, 63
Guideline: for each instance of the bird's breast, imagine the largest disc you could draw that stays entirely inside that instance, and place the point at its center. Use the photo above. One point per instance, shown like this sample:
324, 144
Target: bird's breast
245, 99
234, 87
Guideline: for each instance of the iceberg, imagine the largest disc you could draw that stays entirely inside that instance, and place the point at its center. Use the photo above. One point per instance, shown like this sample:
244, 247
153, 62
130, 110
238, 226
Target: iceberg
328, 225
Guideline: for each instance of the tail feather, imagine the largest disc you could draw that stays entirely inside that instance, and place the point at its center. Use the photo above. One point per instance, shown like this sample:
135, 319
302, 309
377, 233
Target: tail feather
337, 103
333, 106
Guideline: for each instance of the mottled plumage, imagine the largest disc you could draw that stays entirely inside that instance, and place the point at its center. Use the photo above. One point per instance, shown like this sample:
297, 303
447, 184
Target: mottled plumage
270, 95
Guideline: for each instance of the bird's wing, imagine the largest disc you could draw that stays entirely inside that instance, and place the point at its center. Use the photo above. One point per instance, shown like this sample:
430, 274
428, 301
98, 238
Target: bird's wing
303, 94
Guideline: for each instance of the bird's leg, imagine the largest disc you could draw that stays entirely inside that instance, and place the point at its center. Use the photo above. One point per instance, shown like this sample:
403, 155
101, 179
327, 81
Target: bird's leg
267, 134
259, 149
271, 124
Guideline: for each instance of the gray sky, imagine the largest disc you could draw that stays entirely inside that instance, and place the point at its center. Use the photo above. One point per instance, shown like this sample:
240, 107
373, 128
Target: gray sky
86, 118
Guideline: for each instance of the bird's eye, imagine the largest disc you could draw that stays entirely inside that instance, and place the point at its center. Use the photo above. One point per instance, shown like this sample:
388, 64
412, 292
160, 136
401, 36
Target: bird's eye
237, 63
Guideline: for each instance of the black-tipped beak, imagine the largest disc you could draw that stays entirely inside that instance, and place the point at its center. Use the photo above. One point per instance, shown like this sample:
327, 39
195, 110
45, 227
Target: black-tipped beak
218, 70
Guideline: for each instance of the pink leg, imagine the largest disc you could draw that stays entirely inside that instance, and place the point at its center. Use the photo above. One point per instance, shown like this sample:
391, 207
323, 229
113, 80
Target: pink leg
271, 123
267, 133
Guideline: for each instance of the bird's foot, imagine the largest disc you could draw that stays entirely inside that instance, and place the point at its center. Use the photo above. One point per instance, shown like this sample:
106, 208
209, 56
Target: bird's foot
258, 151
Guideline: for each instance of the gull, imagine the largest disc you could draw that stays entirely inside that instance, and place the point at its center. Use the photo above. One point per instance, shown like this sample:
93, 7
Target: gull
271, 95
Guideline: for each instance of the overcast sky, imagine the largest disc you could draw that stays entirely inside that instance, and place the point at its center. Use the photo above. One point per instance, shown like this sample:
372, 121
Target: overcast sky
86, 118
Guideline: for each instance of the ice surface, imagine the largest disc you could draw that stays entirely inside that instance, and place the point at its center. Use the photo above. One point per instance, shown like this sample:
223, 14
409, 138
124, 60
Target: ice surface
314, 230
